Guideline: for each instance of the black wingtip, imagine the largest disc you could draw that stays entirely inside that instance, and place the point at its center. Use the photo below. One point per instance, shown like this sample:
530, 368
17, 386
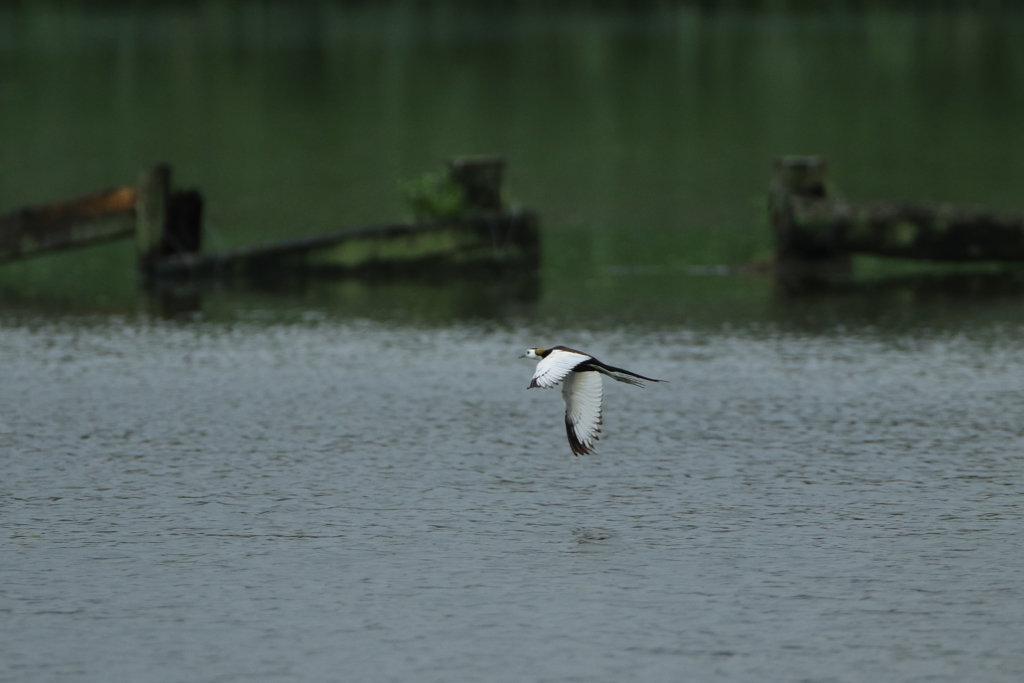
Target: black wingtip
578, 447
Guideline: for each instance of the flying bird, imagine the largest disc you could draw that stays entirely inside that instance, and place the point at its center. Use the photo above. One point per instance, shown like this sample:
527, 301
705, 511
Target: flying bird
580, 374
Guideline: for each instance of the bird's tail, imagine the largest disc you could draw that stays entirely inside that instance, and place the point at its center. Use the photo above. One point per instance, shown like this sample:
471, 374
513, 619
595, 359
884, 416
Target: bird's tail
627, 376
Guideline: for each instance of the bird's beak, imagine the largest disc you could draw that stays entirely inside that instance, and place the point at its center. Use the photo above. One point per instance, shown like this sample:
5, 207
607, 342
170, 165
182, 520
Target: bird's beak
523, 356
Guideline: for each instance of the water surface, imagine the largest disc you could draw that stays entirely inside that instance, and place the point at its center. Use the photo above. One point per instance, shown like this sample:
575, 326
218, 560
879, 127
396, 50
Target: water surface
371, 501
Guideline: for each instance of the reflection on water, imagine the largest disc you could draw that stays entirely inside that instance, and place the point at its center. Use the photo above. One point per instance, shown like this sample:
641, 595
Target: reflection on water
936, 299
976, 287
426, 301
710, 298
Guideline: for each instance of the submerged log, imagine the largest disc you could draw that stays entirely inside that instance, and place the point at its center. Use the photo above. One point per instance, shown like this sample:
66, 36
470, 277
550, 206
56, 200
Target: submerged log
482, 245
98, 217
811, 226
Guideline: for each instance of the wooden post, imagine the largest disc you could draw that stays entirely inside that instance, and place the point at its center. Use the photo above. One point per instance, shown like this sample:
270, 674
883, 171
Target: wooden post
799, 180
802, 175
184, 223
794, 177
151, 209
480, 178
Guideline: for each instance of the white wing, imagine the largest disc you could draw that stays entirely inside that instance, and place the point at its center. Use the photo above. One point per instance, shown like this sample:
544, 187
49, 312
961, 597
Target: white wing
553, 368
582, 395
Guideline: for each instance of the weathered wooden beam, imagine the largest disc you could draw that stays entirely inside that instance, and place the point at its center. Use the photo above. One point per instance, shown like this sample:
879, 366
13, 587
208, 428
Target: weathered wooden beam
444, 247
915, 231
98, 217
811, 226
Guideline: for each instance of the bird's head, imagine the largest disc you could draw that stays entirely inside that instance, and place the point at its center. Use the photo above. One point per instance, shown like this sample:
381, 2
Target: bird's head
533, 354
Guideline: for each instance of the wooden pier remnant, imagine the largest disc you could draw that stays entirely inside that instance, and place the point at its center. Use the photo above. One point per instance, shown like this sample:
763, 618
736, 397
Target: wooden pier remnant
471, 234
163, 222
98, 217
480, 239
470, 245
813, 227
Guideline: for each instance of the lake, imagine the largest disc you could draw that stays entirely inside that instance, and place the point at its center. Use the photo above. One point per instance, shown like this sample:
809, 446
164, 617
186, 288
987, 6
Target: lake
348, 480
365, 501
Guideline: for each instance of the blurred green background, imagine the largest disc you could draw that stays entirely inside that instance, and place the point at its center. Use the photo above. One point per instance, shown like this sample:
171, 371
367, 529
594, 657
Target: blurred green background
643, 133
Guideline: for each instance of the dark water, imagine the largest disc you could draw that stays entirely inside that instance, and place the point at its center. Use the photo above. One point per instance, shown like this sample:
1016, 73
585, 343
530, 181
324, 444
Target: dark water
361, 501
643, 138
349, 481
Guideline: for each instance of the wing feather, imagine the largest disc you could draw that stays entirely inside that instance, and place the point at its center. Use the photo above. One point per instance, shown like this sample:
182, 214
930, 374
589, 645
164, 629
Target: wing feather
554, 367
582, 393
